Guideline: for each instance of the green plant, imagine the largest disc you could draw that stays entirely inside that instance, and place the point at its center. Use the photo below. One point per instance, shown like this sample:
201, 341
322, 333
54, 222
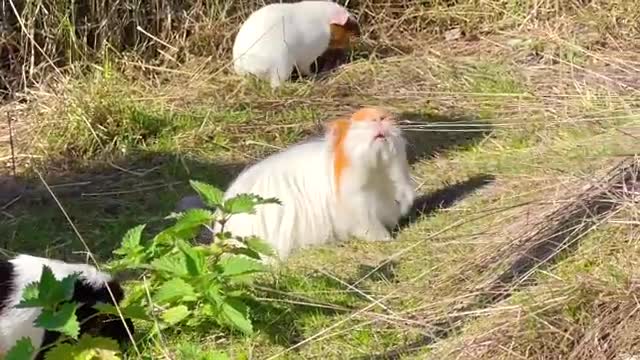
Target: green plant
182, 283
58, 314
189, 284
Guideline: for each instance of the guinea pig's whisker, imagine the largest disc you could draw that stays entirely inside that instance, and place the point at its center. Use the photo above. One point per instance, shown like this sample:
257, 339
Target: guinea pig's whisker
444, 124
448, 130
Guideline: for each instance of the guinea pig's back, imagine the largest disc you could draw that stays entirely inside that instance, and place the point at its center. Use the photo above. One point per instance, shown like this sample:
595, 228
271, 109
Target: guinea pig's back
260, 41
298, 178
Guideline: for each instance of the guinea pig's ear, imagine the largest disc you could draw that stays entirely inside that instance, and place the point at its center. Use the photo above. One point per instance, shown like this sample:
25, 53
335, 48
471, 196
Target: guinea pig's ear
341, 17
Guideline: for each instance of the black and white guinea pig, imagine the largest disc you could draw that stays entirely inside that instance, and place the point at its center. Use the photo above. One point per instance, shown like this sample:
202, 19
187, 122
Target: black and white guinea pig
90, 289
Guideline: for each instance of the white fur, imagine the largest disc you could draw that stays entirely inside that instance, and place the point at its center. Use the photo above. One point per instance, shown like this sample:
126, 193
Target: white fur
375, 191
277, 37
17, 323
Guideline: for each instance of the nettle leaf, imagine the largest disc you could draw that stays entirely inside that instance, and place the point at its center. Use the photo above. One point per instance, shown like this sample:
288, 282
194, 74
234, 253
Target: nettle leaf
22, 350
188, 225
213, 294
175, 314
246, 203
259, 245
175, 289
130, 245
244, 251
104, 348
236, 313
132, 311
30, 296
195, 260
49, 291
64, 320
173, 264
211, 195
87, 348
242, 203
239, 265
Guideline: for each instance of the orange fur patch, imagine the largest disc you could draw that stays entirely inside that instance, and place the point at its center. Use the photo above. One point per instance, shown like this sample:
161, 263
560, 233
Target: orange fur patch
370, 113
339, 129
340, 37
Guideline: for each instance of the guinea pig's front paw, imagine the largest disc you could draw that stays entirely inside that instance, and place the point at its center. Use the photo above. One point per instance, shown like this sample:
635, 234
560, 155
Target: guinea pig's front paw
377, 233
405, 199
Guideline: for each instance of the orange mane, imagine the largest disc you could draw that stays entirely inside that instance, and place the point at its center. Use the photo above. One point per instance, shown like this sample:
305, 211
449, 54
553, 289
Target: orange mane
369, 113
339, 129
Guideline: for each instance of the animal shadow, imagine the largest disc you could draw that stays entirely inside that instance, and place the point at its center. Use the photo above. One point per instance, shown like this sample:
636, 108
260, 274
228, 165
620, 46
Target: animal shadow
102, 202
430, 134
448, 196
324, 65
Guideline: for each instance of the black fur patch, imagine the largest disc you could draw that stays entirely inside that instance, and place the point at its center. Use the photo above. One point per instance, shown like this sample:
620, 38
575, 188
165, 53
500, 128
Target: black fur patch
6, 283
109, 326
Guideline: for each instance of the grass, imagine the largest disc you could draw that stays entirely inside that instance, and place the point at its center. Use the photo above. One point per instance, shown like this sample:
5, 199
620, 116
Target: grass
119, 133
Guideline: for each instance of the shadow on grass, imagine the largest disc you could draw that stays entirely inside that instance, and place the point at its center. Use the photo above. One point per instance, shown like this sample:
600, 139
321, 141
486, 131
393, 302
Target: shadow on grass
431, 134
102, 201
445, 197
294, 298
105, 200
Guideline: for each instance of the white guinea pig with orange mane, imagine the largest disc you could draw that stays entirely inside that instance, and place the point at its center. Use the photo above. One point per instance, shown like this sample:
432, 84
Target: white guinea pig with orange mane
278, 37
352, 182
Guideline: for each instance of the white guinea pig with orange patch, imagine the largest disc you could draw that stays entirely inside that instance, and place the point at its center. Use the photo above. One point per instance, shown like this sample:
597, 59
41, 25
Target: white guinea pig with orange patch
352, 182
278, 37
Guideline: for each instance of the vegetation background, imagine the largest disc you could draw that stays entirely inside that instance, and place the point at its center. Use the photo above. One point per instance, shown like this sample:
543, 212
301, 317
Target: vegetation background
117, 104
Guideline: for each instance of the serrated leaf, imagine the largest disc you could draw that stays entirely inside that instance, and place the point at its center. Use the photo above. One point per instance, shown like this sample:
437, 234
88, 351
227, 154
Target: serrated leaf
246, 203
174, 264
64, 320
239, 265
194, 259
50, 291
175, 314
188, 225
259, 245
62, 352
30, 296
175, 289
211, 195
239, 204
132, 311
87, 348
236, 313
244, 251
106, 349
23, 349
131, 241
67, 285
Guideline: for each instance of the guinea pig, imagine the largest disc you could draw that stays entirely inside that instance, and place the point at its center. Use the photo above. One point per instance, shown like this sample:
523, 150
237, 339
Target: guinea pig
353, 181
278, 37
90, 288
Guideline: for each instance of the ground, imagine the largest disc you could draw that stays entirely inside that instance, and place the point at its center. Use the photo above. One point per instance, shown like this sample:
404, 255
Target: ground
510, 120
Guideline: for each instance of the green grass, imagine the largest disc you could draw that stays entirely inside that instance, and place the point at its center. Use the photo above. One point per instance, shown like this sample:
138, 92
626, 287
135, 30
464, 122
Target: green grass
126, 142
